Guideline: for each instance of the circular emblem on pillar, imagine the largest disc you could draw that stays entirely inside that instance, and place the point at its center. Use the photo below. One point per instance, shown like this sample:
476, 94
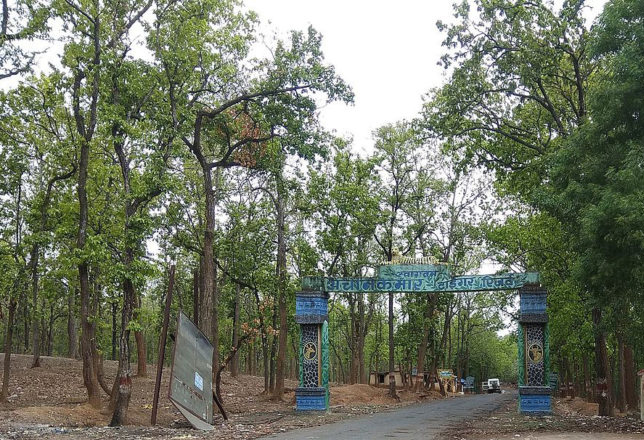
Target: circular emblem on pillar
310, 351
535, 353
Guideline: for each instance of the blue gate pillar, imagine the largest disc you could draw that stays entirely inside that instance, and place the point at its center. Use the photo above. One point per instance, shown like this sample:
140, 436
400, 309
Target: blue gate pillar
534, 351
312, 313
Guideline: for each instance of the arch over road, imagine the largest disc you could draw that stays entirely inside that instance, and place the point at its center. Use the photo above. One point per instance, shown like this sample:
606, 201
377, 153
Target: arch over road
311, 312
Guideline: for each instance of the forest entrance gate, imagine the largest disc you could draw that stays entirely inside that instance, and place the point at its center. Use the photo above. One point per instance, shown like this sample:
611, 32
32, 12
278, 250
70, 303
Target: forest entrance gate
311, 312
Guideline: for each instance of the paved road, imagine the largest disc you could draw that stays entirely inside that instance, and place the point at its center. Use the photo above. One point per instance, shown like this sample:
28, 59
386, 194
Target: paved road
420, 421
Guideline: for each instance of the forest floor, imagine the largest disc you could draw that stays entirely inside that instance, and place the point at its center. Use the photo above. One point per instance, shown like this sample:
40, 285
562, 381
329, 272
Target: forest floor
572, 419
50, 402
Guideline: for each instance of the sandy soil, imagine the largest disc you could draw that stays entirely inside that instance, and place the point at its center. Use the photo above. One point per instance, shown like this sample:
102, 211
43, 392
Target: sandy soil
573, 419
51, 400
573, 436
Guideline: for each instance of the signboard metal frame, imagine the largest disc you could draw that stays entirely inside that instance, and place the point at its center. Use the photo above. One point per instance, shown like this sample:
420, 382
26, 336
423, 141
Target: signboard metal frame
200, 375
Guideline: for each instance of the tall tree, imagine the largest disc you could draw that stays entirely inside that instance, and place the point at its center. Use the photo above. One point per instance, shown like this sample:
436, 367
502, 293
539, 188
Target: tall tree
518, 85
12, 250
397, 158
97, 41
142, 162
342, 198
597, 180
223, 113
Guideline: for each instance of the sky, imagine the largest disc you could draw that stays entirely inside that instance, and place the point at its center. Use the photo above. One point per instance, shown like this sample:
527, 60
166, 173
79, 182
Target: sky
387, 51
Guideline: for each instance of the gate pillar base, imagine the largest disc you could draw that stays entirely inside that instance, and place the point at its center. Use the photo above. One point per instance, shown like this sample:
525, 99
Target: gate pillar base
535, 401
310, 399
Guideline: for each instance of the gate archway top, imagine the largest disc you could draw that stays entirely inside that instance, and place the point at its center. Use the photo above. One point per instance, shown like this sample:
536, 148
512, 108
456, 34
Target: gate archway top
419, 278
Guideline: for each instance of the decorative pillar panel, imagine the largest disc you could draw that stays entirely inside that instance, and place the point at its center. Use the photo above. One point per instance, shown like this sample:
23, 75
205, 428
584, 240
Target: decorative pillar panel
534, 356
521, 360
311, 312
534, 338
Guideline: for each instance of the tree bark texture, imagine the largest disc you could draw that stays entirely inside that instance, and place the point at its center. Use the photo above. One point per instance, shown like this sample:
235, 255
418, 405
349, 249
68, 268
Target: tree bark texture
273, 354
85, 129
621, 364
602, 369
141, 355
124, 375
422, 349
234, 362
8, 341
35, 254
281, 279
631, 378
72, 333
208, 313
392, 377
195, 296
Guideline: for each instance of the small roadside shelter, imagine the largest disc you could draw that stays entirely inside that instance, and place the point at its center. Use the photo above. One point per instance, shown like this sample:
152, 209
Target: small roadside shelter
381, 378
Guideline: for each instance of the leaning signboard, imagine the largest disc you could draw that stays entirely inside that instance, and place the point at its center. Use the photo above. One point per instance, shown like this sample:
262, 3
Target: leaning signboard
191, 376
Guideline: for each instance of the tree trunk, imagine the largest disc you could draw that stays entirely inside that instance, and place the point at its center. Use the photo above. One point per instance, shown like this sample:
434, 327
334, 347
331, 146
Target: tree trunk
631, 378
195, 296
72, 334
8, 341
215, 330
85, 128
263, 331
441, 386
114, 328
50, 331
446, 330
586, 368
267, 372
25, 321
234, 362
339, 361
35, 253
124, 375
90, 378
360, 339
141, 355
271, 381
353, 340
392, 377
282, 287
422, 349
601, 366
208, 313
621, 396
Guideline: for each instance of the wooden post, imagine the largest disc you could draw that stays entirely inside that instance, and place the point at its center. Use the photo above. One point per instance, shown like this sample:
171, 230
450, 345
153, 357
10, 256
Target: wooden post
641, 375
164, 334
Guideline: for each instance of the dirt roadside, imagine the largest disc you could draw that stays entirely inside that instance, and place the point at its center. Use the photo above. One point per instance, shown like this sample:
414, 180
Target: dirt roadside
572, 419
50, 402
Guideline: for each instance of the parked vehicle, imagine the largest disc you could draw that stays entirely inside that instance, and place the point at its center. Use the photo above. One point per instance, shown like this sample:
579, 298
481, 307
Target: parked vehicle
493, 386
